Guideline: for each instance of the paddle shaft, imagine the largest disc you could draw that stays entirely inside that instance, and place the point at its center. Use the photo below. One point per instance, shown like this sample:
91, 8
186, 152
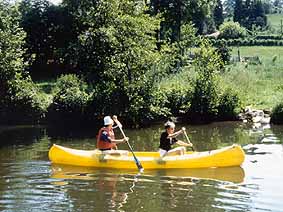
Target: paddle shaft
188, 140
138, 163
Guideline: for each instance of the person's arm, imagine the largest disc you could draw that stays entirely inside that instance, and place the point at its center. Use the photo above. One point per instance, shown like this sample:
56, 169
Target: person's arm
182, 143
105, 137
118, 141
175, 134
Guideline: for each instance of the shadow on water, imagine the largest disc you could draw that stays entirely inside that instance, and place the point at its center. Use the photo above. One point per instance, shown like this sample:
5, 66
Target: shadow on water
20, 135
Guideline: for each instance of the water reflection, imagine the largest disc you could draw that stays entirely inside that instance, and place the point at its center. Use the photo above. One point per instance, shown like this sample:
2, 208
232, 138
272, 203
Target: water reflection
20, 135
230, 174
171, 189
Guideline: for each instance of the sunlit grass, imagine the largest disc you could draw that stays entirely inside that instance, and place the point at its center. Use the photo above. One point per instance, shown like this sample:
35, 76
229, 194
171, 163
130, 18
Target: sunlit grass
260, 85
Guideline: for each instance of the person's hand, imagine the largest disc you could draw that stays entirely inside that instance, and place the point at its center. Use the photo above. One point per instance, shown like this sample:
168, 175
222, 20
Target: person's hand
126, 139
180, 131
183, 129
115, 119
190, 144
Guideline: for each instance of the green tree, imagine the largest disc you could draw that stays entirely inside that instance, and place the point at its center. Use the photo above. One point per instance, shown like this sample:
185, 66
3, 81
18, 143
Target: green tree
177, 13
218, 13
231, 30
11, 51
238, 11
47, 45
18, 94
205, 100
229, 6
250, 13
11, 42
116, 51
259, 18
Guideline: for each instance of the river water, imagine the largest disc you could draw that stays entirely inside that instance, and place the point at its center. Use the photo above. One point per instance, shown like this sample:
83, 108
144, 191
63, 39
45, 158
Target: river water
29, 182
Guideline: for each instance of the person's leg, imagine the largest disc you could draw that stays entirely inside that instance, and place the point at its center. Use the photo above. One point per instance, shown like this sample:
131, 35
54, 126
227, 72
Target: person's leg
176, 151
162, 152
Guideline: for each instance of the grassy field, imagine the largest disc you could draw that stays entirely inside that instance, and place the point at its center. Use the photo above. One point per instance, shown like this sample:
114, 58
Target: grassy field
261, 86
268, 55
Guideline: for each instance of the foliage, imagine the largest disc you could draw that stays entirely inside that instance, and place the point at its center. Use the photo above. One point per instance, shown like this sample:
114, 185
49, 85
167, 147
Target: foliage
229, 104
177, 13
117, 53
49, 30
277, 114
205, 100
218, 13
70, 99
20, 99
250, 13
177, 90
187, 40
25, 103
11, 41
224, 52
229, 6
231, 30
134, 58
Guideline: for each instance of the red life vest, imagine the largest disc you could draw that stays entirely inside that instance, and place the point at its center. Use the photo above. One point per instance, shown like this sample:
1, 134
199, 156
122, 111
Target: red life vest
104, 144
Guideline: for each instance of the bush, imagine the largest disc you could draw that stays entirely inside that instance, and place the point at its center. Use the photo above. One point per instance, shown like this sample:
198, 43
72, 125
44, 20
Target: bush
70, 99
177, 95
208, 65
277, 114
224, 52
24, 103
231, 30
229, 105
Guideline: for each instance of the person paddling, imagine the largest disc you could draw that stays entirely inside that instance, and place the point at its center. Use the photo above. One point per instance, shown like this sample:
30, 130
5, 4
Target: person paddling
168, 139
106, 141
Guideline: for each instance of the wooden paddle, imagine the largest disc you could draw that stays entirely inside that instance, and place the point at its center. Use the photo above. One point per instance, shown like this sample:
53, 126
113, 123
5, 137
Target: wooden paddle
138, 163
188, 140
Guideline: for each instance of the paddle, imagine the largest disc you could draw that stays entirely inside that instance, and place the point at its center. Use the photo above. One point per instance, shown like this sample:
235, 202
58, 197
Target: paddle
188, 140
138, 163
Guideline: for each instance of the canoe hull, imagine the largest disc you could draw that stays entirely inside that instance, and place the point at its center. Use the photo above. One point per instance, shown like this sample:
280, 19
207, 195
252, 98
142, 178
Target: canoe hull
225, 157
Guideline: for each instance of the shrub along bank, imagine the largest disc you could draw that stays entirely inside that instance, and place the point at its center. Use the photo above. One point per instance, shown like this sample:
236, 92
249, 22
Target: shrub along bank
195, 93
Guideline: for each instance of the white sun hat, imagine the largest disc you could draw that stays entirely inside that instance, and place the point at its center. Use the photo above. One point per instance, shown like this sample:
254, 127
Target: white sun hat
169, 124
108, 120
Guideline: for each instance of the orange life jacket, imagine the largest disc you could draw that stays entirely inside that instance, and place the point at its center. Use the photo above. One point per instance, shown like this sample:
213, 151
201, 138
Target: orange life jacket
105, 144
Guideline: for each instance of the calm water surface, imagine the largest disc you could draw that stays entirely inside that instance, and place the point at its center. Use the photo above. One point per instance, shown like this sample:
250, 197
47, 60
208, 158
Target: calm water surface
29, 182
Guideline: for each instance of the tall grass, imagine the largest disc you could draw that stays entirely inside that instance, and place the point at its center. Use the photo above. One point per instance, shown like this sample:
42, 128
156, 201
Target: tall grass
260, 85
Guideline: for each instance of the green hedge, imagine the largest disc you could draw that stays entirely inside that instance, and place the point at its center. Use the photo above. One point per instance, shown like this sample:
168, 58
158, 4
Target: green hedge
247, 42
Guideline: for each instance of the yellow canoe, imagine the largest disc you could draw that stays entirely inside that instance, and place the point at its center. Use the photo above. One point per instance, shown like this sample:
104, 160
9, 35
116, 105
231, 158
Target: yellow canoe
224, 157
